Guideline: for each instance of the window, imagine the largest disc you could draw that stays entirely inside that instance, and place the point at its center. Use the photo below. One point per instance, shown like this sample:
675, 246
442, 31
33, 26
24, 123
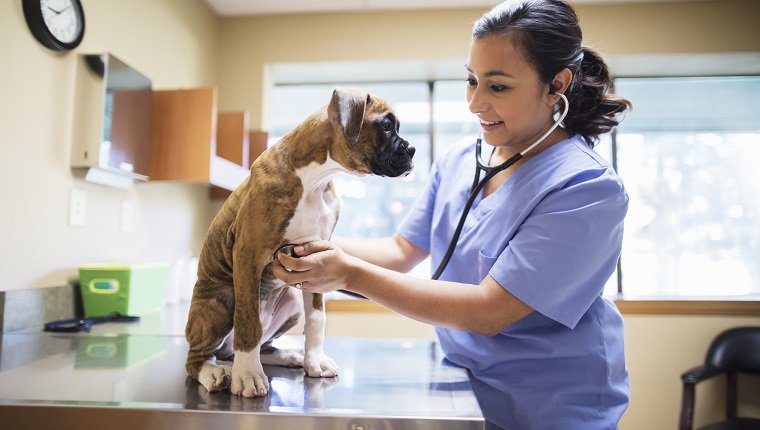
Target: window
452, 119
689, 154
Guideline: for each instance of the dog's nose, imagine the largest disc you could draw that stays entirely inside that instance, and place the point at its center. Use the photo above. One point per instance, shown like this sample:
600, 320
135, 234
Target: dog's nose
409, 149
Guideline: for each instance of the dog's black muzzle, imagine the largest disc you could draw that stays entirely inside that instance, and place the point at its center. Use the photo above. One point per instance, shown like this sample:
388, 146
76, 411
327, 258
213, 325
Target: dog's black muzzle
394, 159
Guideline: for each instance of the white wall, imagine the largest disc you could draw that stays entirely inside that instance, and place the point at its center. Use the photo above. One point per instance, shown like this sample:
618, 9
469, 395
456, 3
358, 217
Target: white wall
171, 41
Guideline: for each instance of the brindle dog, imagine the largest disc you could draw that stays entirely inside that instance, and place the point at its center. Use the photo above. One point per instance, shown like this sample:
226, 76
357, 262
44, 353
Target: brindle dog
288, 198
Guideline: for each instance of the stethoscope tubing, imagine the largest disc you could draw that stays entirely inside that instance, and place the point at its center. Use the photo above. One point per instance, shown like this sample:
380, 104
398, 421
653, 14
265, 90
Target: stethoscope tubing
478, 184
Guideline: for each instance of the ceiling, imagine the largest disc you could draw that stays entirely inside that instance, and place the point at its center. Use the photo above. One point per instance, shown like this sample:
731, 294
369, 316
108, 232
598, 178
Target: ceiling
266, 7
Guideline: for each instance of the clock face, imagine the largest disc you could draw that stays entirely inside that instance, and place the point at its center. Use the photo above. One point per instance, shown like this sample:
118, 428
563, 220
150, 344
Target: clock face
57, 24
62, 19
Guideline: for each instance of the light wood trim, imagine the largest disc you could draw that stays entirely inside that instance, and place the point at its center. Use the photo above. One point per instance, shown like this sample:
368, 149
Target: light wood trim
232, 137
689, 307
350, 305
183, 135
626, 307
258, 143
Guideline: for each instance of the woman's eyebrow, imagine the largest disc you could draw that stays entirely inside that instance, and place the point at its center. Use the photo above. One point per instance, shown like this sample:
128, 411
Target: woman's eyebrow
491, 73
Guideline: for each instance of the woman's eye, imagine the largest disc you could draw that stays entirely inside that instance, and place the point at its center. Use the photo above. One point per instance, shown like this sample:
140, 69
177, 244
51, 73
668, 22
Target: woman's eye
471, 82
498, 88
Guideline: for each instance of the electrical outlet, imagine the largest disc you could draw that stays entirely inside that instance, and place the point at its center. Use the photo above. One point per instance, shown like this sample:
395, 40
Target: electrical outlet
127, 217
77, 205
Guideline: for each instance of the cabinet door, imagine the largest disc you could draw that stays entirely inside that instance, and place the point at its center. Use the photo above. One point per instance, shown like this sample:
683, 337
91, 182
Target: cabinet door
258, 143
183, 136
232, 137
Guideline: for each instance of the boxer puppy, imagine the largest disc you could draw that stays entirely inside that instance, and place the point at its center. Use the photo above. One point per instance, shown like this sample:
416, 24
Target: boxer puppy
238, 307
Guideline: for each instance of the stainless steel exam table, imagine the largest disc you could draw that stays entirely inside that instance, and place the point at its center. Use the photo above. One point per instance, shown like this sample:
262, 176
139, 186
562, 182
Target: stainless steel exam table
137, 381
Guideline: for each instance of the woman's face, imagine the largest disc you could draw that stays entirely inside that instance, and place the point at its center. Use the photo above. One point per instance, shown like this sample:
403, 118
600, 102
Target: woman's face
505, 92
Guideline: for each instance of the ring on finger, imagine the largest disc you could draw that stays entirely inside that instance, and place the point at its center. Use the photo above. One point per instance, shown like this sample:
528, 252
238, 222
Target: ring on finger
298, 285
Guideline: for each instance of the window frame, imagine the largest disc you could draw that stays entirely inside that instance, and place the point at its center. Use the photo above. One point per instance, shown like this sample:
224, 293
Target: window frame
636, 306
633, 305
677, 305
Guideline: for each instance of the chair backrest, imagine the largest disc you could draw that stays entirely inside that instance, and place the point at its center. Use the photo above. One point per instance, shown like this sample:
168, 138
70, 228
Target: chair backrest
736, 349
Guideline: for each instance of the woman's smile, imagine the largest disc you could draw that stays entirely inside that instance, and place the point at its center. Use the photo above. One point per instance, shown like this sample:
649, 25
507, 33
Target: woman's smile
490, 126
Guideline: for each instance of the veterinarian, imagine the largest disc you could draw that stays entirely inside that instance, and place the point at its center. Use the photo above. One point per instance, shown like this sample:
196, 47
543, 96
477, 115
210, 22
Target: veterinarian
519, 303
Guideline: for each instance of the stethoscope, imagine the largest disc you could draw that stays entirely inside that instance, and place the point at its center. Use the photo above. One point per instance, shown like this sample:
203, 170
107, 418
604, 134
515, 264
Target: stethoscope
477, 185
490, 172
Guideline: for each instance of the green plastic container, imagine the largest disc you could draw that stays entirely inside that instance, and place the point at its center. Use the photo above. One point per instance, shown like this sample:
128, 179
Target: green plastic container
127, 289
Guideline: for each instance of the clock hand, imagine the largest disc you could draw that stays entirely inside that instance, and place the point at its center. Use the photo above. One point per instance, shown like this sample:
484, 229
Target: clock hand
57, 12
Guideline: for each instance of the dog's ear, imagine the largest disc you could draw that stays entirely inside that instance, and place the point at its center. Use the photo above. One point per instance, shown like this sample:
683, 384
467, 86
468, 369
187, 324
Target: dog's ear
346, 109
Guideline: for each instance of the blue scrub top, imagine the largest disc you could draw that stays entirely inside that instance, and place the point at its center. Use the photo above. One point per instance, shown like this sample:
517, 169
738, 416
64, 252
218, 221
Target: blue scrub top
551, 236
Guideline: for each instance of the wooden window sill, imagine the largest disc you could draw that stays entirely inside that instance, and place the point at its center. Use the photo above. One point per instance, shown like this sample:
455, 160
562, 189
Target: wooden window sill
353, 305
726, 307
627, 307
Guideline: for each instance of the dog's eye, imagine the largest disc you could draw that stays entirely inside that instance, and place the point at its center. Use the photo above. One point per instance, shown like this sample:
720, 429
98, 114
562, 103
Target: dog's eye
387, 125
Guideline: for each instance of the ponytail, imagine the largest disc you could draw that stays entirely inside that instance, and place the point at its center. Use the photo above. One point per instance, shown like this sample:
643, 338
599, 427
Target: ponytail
593, 111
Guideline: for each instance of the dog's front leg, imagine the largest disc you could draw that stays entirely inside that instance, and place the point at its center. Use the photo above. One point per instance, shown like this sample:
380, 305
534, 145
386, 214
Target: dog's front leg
248, 377
315, 362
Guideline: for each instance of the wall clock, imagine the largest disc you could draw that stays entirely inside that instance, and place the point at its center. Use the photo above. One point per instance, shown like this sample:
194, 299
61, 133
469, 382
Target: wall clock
57, 24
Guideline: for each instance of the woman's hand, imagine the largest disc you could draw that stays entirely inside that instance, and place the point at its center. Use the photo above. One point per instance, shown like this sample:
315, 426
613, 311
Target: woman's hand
321, 267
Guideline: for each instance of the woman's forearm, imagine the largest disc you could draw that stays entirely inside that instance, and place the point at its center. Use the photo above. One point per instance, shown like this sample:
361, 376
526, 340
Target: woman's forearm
392, 253
323, 266
485, 309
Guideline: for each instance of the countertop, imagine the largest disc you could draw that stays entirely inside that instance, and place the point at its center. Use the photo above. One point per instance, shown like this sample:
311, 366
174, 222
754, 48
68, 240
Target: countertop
131, 375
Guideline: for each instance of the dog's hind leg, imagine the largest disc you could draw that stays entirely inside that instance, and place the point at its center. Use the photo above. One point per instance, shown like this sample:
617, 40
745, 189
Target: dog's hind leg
274, 356
282, 357
282, 312
209, 323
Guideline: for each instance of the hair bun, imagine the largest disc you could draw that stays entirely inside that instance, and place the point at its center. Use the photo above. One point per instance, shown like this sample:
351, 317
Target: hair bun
595, 110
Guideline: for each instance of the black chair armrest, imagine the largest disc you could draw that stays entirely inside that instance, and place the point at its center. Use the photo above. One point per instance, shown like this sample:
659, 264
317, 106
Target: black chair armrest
700, 373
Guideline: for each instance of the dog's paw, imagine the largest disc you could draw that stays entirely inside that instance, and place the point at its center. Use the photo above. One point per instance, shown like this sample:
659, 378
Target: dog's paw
214, 377
249, 383
283, 357
248, 377
320, 366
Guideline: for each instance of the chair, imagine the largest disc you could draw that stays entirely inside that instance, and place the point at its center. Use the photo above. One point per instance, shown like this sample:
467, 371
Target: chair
734, 351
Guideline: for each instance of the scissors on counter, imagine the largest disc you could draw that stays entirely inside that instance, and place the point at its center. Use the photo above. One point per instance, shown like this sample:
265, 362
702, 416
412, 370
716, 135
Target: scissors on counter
76, 325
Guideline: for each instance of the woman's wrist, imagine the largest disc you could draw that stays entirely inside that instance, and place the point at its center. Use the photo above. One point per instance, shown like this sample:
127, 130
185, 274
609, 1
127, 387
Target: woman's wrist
356, 274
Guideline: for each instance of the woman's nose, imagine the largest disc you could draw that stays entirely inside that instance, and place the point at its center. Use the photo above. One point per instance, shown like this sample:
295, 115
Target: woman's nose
477, 101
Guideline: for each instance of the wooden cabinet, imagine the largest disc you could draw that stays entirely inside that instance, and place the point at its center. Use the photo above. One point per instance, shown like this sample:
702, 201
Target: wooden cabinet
257, 143
232, 142
185, 139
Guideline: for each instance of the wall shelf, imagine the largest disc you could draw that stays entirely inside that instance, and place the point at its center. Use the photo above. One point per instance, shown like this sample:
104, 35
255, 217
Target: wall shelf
184, 140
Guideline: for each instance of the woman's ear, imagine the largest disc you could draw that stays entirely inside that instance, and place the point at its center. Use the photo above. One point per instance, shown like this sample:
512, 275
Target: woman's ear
560, 83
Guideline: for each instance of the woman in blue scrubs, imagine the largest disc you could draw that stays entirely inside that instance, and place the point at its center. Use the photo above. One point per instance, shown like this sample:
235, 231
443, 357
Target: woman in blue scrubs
519, 305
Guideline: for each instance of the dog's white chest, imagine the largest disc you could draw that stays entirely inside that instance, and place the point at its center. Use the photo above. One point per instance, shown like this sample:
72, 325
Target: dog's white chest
317, 210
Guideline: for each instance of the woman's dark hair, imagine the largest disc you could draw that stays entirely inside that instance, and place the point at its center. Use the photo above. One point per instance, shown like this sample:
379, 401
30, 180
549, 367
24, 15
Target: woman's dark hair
548, 34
